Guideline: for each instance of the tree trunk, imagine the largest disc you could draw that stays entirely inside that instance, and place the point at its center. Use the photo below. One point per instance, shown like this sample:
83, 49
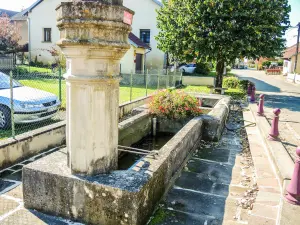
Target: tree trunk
220, 71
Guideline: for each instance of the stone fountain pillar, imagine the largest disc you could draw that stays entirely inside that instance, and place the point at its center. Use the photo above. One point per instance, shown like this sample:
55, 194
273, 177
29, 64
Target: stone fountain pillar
93, 39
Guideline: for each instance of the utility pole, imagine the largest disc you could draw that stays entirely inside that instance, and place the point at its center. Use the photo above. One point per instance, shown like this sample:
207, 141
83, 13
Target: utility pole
297, 48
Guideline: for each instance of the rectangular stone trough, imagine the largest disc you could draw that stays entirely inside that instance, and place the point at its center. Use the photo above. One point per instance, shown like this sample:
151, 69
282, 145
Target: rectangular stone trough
123, 196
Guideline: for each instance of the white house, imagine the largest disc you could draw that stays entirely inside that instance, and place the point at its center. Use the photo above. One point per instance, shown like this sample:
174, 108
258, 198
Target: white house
43, 34
144, 26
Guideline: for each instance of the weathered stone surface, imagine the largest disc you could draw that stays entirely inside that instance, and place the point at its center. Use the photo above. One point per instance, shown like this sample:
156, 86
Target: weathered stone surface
213, 170
169, 217
192, 202
94, 38
121, 197
214, 122
135, 128
200, 182
171, 126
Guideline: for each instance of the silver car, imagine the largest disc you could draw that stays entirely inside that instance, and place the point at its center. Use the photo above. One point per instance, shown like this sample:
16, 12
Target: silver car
30, 104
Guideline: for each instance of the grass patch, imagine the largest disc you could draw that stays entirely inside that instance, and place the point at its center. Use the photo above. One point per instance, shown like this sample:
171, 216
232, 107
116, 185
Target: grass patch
235, 93
159, 217
52, 86
33, 69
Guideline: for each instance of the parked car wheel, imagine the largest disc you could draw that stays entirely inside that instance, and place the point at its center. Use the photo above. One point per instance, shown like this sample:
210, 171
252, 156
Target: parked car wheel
5, 118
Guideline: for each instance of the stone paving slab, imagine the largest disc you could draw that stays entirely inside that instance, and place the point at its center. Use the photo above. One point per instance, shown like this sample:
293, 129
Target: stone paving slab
215, 171
7, 205
171, 217
266, 208
12, 211
210, 186
192, 202
201, 183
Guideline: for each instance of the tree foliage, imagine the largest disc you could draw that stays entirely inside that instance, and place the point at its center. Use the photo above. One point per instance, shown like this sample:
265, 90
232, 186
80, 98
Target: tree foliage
9, 35
222, 30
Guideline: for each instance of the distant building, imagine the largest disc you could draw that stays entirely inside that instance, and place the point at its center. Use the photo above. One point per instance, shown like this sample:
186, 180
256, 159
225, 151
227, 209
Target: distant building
289, 56
9, 13
43, 34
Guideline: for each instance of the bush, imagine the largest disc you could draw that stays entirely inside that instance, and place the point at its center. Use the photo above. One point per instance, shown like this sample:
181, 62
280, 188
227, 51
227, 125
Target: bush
266, 63
174, 104
231, 82
243, 84
202, 68
280, 63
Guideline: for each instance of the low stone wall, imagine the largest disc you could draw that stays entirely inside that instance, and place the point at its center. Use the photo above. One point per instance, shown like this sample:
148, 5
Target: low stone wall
121, 197
134, 129
126, 108
170, 126
31, 143
154, 80
214, 121
200, 81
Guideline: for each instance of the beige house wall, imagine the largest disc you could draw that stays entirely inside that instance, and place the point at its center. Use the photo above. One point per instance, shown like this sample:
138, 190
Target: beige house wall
43, 16
23, 27
127, 62
293, 59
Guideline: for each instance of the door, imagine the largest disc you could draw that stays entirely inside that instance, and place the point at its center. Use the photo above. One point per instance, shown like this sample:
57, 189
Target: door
138, 63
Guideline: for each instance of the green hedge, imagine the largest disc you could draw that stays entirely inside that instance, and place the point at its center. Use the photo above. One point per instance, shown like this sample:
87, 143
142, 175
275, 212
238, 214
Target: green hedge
234, 82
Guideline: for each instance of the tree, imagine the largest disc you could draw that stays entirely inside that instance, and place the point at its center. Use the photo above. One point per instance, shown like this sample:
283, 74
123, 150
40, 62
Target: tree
9, 35
222, 30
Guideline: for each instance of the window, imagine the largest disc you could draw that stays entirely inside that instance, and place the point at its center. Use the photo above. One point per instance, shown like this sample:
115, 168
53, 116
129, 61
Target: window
47, 34
145, 36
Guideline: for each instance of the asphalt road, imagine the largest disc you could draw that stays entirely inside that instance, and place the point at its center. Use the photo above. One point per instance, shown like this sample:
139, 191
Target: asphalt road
279, 94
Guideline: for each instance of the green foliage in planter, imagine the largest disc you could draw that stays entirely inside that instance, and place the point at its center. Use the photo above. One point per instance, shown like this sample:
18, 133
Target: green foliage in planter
174, 104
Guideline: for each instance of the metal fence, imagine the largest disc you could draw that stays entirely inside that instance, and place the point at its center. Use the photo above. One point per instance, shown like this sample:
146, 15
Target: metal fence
30, 98
34, 97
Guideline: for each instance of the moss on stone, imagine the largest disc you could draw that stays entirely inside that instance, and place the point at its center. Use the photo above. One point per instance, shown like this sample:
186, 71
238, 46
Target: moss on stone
159, 217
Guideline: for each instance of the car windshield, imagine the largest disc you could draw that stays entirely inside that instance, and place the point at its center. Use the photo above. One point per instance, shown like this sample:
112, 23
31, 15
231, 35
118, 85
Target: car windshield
5, 84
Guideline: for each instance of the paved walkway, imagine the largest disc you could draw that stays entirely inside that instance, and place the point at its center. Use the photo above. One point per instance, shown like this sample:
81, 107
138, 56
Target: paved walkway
279, 94
217, 186
12, 211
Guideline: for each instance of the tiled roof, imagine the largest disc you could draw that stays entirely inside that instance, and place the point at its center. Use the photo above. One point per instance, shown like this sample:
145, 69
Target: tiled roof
7, 12
291, 51
137, 42
20, 16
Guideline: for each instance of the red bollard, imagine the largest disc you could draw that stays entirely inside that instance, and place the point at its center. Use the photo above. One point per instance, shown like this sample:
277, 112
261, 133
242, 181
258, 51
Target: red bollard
252, 98
293, 190
260, 110
274, 133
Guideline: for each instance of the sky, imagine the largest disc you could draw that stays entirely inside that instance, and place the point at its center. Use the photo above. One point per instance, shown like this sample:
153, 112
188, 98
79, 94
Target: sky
18, 5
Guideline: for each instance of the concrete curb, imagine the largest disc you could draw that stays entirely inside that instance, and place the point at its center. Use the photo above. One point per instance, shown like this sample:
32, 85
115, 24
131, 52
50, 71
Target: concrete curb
283, 162
284, 165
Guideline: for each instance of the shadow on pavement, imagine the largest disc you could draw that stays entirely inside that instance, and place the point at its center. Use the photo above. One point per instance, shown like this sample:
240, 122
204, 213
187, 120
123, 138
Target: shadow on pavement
291, 103
261, 85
